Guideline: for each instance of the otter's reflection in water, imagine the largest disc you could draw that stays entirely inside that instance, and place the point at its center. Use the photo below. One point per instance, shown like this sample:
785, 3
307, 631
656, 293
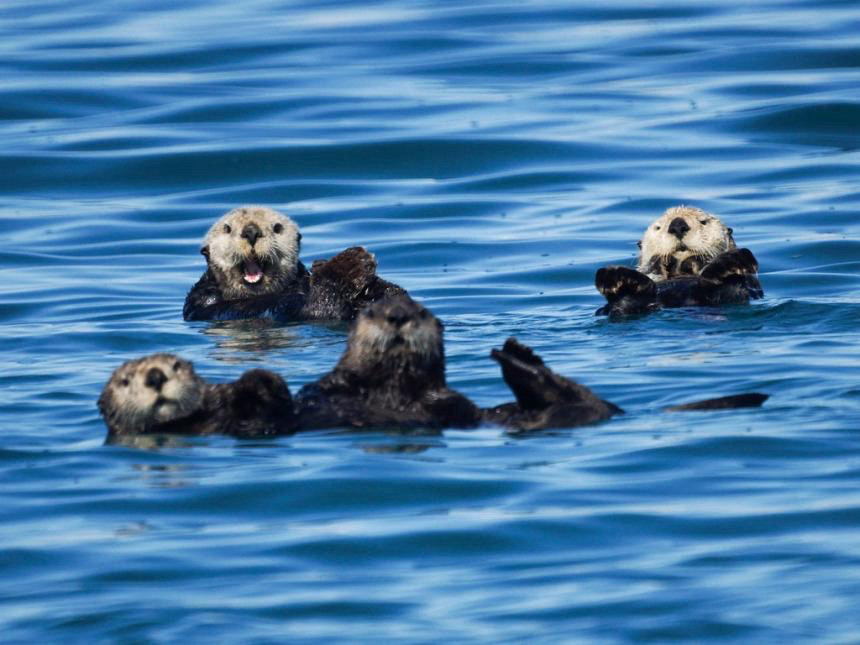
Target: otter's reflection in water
253, 336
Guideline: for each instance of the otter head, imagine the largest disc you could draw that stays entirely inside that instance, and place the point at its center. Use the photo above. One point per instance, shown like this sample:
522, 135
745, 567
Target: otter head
146, 392
394, 339
681, 242
252, 251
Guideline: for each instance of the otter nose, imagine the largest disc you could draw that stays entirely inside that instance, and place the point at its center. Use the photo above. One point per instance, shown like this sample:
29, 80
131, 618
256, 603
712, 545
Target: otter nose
155, 378
678, 227
251, 232
398, 316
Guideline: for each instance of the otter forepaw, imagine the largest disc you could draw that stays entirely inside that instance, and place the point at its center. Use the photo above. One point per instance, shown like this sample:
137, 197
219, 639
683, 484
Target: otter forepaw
617, 282
729, 264
626, 290
738, 269
352, 270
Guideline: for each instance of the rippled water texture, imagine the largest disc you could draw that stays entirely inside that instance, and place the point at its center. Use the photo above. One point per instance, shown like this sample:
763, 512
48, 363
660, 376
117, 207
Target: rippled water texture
493, 156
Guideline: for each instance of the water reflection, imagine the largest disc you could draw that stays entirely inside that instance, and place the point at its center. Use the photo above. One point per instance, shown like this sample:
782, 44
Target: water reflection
233, 338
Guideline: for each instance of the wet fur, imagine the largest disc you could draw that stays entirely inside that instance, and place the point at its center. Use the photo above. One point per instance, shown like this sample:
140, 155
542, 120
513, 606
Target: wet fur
335, 289
258, 404
700, 267
391, 374
545, 399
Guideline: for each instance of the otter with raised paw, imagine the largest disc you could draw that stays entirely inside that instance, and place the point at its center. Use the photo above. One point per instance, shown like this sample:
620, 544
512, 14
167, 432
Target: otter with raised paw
545, 399
253, 271
162, 394
391, 374
687, 257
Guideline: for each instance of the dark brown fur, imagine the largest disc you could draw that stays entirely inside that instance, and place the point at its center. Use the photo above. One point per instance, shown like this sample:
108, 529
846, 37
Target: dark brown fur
730, 278
545, 399
392, 374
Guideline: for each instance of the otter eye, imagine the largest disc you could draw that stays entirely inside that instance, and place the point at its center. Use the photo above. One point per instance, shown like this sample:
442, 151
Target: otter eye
227, 229
124, 382
369, 313
704, 221
639, 244
656, 228
278, 228
176, 366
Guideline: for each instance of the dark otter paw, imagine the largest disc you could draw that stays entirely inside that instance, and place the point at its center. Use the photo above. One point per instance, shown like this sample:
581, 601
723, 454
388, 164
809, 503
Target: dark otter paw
626, 290
352, 270
737, 269
617, 282
730, 264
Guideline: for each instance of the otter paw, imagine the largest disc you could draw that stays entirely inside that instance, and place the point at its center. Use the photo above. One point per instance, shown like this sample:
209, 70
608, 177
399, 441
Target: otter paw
617, 282
730, 265
352, 269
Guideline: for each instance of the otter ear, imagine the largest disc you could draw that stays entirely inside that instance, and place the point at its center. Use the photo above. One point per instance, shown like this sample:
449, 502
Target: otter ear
205, 251
730, 230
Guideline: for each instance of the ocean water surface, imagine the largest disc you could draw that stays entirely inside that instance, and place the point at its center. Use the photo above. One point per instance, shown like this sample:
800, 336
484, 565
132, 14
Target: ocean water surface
493, 155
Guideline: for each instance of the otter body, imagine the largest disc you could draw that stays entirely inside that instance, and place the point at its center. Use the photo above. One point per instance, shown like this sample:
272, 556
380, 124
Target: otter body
687, 258
545, 399
391, 374
253, 270
161, 393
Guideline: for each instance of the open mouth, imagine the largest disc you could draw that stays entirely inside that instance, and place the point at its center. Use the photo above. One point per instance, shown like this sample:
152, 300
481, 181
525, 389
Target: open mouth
252, 271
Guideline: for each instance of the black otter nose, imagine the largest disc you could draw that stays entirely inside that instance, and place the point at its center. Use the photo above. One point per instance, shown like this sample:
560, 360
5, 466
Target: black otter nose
251, 232
398, 316
155, 378
678, 227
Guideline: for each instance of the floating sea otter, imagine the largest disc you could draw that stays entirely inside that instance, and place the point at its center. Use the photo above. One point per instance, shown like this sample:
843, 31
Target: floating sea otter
687, 257
253, 270
161, 393
391, 374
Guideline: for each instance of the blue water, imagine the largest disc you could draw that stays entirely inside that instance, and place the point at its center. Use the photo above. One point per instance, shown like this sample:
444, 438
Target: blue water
493, 155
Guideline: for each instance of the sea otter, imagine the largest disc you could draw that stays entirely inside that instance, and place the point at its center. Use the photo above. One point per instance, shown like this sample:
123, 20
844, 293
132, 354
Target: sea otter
391, 374
545, 399
161, 393
687, 258
253, 270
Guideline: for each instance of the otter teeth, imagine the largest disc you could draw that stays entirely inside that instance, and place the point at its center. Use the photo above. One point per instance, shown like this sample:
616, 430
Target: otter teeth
253, 271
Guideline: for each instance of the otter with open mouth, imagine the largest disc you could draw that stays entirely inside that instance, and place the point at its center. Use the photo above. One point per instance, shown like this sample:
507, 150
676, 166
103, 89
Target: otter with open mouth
253, 270
688, 257
161, 393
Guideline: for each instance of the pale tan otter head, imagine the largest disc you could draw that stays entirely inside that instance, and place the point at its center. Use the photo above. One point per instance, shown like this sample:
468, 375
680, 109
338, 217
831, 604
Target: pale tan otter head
148, 391
252, 251
393, 333
681, 242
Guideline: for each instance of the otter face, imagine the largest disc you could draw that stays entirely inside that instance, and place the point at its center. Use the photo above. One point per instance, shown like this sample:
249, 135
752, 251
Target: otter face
252, 251
393, 327
681, 242
148, 391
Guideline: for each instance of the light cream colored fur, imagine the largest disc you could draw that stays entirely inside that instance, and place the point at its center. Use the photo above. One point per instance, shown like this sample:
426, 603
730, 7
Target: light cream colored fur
706, 239
276, 250
134, 405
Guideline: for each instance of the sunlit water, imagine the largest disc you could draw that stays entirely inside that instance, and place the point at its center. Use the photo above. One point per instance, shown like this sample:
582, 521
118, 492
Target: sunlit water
492, 155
